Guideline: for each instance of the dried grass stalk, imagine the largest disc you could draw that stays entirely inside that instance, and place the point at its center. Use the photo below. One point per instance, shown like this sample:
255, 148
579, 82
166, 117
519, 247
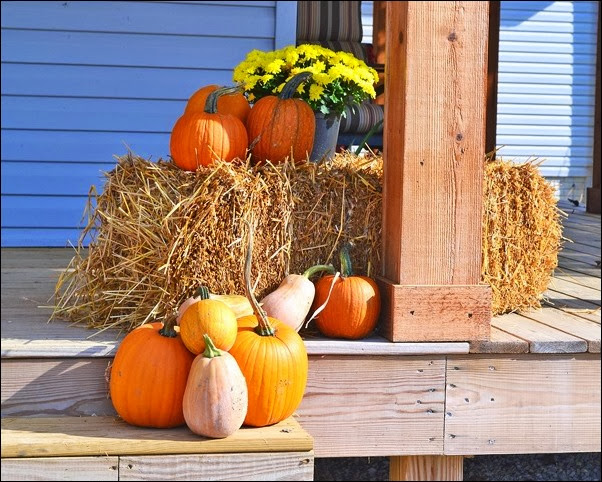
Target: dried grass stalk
158, 232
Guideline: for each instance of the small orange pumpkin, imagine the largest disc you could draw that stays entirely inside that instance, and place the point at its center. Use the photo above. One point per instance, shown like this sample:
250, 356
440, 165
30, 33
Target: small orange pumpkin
211, 317
280, 126
198, 138
273, 359
235, 104
148, 376
354, 306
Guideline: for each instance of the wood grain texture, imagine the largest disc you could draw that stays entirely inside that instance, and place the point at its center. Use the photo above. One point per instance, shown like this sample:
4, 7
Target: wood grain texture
542, 338
84, 436
255, 466
60, 386
61, 468
434, 138
435, 313
374, 406
427, 467
496, 404
500, 342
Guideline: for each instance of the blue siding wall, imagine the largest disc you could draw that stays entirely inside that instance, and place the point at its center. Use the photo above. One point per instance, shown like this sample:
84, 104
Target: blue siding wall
84, 81
546, 89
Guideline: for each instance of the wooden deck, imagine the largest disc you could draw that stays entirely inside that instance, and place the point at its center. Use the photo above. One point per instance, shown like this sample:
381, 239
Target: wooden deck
533, 388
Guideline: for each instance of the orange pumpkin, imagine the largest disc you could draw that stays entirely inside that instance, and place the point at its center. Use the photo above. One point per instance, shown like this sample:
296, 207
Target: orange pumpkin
149, 375
280, 126
198, 138
211, 317
273, 359
235, 104
354, 306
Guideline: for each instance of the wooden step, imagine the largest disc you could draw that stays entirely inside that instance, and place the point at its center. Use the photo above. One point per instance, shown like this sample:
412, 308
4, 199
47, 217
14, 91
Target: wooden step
106, 448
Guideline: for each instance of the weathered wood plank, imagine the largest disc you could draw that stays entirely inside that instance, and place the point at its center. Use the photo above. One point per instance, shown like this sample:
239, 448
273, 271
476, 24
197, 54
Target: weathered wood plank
61, 468
497, 404
569, 304
374, 406
577, 278
568, 323
581, 292
83, 436
60, 386
578, 266
376, 345
500, 342
542, 338
257, 466
427, 467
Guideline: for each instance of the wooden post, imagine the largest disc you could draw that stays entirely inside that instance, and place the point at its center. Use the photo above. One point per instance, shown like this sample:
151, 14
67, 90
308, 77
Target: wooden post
593, 193
426, 467
434, 139
492, 77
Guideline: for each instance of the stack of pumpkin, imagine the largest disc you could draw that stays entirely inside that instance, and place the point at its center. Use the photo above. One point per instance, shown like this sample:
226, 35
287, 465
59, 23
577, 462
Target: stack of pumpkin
219, 123
229, 360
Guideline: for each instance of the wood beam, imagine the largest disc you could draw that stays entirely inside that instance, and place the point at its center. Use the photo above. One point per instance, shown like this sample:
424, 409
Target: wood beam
492, 77
426, 467
593, 193
434, 138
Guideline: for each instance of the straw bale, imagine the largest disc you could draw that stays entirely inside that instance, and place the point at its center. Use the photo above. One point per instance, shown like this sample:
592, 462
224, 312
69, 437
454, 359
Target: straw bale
157, 232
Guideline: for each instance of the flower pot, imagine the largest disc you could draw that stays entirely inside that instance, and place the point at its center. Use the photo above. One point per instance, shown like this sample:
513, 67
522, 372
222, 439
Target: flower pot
325, 139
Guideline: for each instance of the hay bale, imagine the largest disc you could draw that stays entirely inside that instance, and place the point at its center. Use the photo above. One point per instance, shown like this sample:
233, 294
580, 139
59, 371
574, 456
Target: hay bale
521, 235
158, 232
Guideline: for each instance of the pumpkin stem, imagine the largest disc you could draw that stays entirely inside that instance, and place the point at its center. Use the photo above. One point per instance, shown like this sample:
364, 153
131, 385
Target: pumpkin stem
168, 330
210, 349
291, 86
309, 272
264, 327
211, 102
346, 268
202, 292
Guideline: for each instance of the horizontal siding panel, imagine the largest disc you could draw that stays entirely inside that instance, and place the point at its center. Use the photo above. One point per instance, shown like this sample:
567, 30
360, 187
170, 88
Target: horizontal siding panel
550, 171
544, 151
544, 16
65, 146
547, 100
548, 27
142, 50
547, 58
549, 160
129, 17
250, 3
545, 131
53, 179
47, 237
547, 89
543, 140
548, 47
546, 79
582, 7
115, 82
562, 110
571, 38
43, 211
541, 68
118, 115
545, 120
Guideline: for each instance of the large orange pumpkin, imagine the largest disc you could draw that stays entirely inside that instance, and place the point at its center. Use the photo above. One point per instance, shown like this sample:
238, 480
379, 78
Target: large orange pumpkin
235, 104
149, 375
273, 359
354, 306
280, 126
198, 138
